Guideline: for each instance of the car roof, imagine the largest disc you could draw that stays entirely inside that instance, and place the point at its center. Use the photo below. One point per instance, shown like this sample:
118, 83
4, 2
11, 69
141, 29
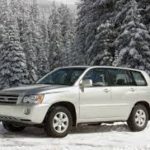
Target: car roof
76, 67
110, 67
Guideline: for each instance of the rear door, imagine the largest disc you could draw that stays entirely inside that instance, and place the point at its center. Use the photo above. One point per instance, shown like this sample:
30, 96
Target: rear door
123, 91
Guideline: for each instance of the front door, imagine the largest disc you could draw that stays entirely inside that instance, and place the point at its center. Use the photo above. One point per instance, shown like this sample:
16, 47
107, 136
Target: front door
94, 101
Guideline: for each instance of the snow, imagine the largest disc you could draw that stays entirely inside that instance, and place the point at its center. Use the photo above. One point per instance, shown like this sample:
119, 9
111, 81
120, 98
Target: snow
105, 137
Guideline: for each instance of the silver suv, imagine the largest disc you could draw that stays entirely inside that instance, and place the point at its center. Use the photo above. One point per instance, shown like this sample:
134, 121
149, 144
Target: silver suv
70, 96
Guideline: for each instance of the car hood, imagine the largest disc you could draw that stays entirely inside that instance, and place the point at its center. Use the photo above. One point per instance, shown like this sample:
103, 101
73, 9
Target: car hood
32, 89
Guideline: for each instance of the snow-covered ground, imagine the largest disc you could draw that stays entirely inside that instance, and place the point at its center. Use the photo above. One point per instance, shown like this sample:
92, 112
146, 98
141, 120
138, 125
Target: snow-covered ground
107, 136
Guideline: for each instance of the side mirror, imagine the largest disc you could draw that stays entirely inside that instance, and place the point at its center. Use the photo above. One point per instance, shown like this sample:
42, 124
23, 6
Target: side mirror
86, 83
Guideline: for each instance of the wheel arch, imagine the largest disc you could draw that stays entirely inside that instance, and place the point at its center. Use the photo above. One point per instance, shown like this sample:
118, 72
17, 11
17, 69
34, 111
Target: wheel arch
70, 106
146, 104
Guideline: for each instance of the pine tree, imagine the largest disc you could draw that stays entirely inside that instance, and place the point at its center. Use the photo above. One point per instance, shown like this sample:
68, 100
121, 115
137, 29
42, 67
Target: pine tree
84, 20
31, 41
133, 43
13, 70
121, 7
42, 63
144, 7
25, 14
34, 11
42, 43
3, 12
30, 54
67, 32
101, 51
55, 39
92, 16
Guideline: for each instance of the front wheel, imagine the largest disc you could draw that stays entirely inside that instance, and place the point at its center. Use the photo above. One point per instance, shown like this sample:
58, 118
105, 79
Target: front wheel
58, 122
139, 118
13, 127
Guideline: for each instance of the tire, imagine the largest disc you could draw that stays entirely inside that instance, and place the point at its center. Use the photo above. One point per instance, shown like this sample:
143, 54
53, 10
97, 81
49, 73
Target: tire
138, 118
58, 122
13, 127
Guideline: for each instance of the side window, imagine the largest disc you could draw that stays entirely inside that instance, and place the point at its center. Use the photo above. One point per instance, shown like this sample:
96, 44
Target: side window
98, 76
119, 77
139, 79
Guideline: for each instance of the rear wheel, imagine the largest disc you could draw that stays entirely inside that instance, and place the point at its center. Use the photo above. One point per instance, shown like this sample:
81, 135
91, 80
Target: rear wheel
58, 122
13, 127
138, 119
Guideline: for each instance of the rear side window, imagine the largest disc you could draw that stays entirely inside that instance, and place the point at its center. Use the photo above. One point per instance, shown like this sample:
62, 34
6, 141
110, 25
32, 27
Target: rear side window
119, 77
139, 79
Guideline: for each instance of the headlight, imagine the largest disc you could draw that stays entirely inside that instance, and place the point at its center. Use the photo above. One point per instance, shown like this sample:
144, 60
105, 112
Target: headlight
33, 99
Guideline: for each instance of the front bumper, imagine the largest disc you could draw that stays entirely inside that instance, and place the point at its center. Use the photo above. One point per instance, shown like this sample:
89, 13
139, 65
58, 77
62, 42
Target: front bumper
34, 114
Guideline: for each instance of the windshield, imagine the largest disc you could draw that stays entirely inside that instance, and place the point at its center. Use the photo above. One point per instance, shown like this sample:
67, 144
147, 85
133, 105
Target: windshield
64, 76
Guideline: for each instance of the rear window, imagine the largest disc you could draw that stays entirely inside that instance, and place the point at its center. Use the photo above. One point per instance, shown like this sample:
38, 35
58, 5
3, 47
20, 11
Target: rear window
119, 77
139, 79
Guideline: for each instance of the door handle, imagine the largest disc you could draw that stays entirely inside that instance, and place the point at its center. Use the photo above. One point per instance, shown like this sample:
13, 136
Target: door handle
106, 90
132, 89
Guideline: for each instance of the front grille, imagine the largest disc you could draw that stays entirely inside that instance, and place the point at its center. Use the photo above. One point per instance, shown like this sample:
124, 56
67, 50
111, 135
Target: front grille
8, 99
